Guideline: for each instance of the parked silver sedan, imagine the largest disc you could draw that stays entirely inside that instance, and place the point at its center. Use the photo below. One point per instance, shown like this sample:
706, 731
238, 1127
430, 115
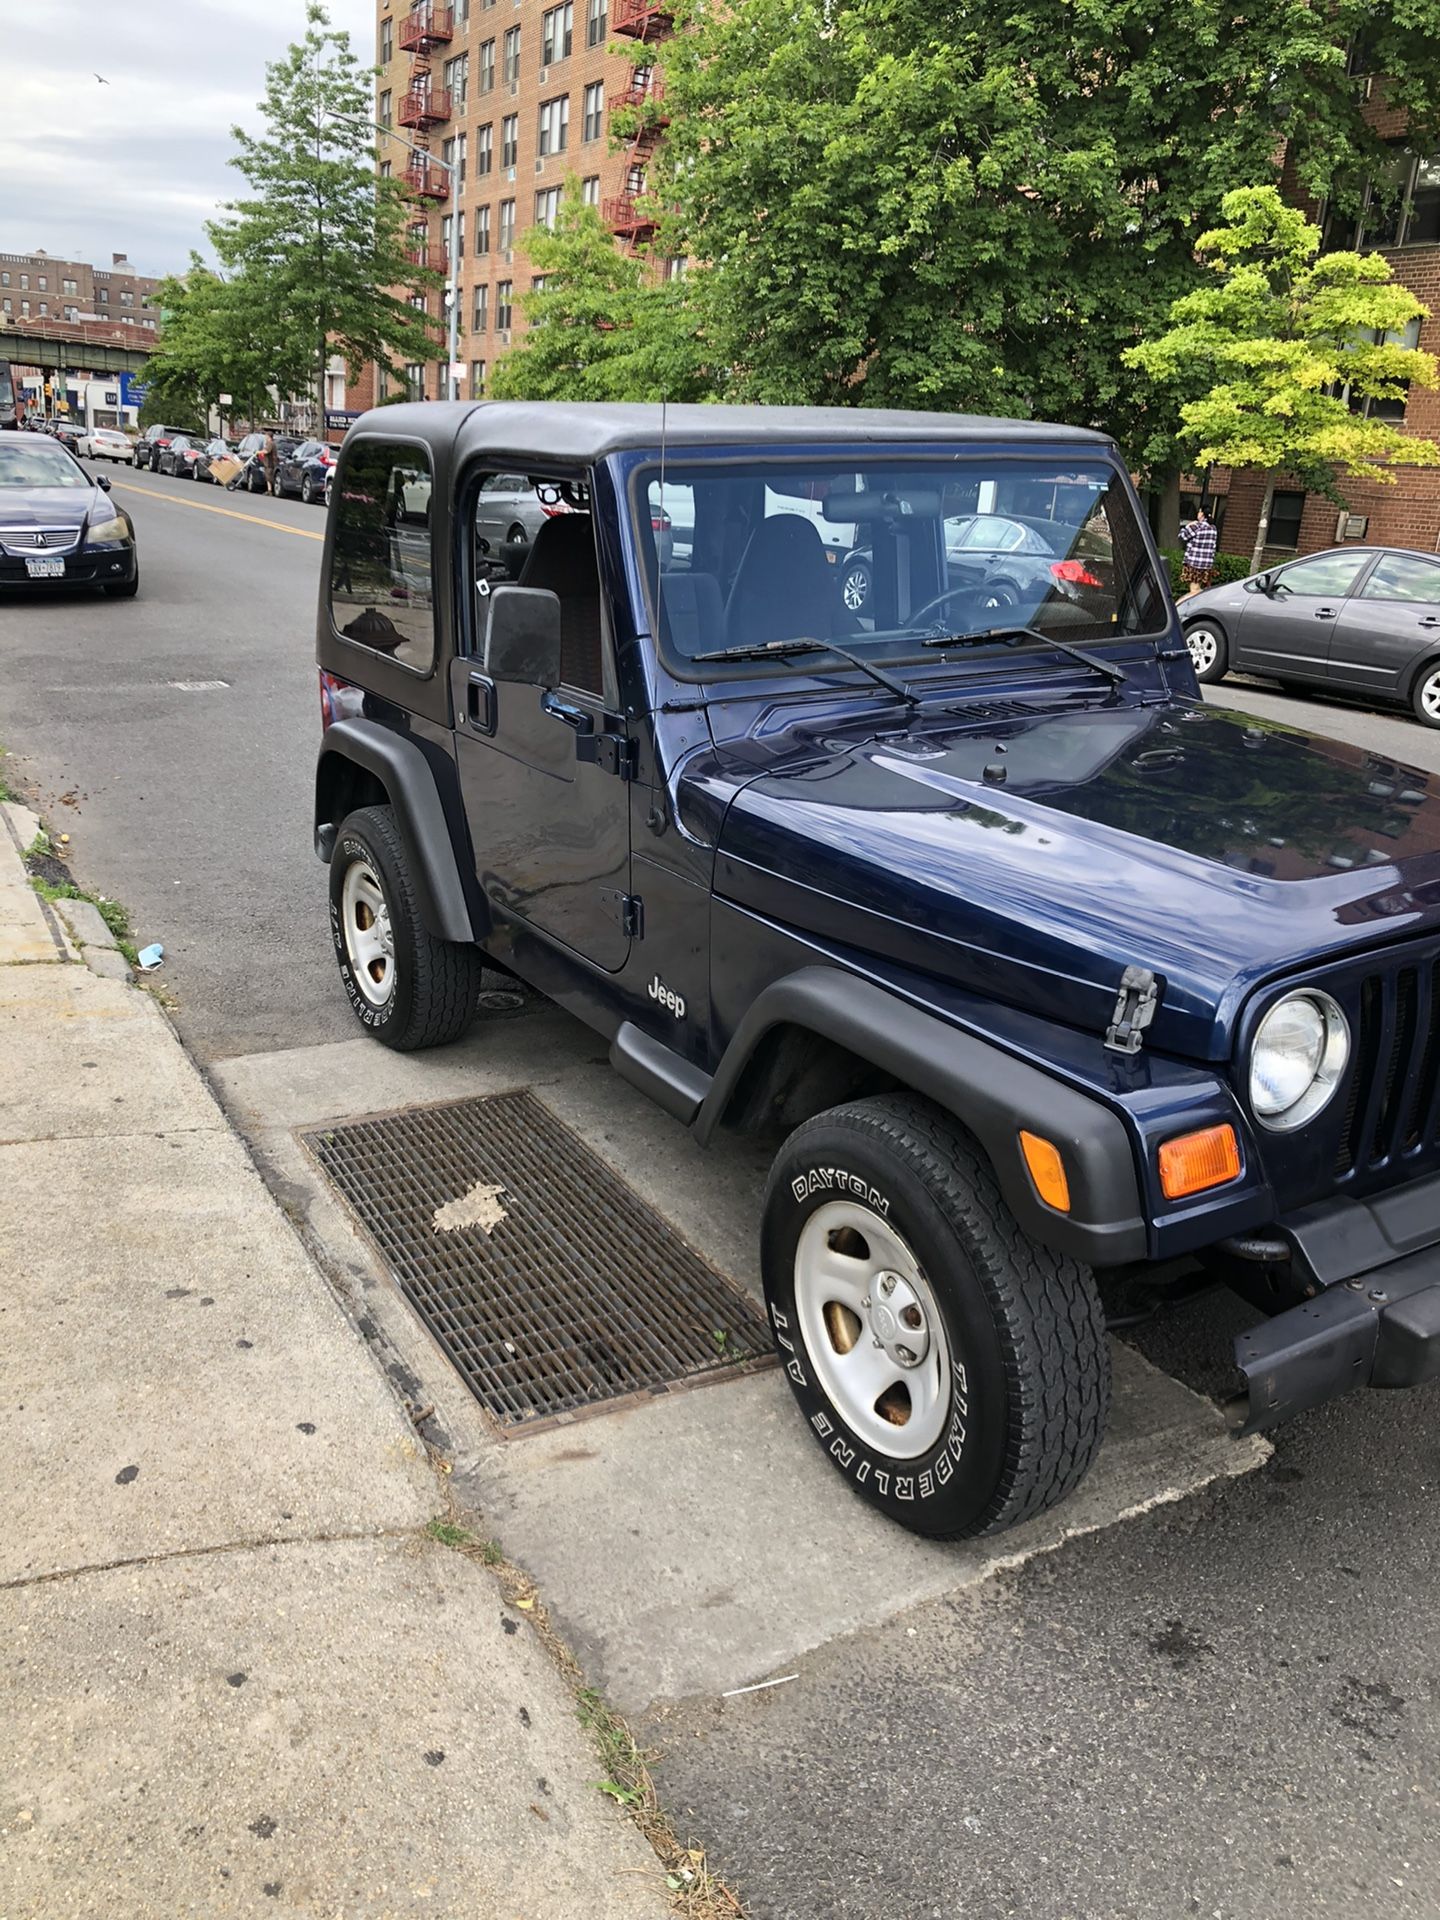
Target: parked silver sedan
1359, 620
510, 510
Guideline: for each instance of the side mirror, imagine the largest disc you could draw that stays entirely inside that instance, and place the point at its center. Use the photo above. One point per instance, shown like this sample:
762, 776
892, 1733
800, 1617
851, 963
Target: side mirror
522, 635
1263, 583
102, 480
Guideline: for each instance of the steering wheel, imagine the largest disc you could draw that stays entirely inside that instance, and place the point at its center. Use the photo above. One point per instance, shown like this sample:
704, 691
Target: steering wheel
919, 618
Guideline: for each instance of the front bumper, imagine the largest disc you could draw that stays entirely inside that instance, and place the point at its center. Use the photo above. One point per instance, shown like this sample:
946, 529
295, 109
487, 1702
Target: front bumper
1374, 1318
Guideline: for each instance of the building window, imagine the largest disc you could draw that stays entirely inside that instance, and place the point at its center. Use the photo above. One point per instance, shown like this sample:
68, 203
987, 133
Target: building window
480, 318
24, 309
417, 301
456, 74
1391, 409
1286, 511
44, 284
507, 225
590, 190
597, 23
44, 309
7, 305
504, 304
482, 230
447, 233
486, 70
1400, 208
484, 150
127, 298
68, 286
557, 33
675, 268
592, 123
462, 13
511, 65
452, 151
509, 140
477, 379
460, 236
537, 282
554, 125
5, 278
387, 41
24, 283
547, 207
385, 114
384, 175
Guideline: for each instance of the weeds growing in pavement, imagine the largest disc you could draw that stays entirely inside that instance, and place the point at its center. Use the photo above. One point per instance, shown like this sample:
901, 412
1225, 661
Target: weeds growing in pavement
110, 911
695, 1892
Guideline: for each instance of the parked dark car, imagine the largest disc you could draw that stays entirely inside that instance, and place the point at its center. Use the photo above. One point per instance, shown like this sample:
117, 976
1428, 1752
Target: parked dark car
1013, 561
58, 525
1358, 620
303, 468
180, 456
153, 442
1036, 963
72, 435
216, 448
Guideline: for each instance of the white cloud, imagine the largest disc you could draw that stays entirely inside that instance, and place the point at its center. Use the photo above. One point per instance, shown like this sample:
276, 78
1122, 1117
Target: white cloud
136, 166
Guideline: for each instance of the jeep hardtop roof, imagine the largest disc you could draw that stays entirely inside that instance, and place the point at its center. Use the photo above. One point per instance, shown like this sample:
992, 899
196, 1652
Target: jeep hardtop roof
566, 431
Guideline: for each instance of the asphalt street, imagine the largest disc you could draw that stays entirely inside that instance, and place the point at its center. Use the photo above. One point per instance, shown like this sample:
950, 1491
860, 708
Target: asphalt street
1229, 1707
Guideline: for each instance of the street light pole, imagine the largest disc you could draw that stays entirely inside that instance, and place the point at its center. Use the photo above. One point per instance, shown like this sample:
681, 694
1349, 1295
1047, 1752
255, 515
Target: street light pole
452, 252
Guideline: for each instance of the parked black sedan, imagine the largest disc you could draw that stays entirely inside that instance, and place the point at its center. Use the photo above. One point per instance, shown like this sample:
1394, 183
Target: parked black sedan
153, 442
180, 456
58, 524
303, 470
217, 448
1360, 620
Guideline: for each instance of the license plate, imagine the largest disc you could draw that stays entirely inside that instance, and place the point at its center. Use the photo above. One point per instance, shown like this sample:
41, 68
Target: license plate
45, 569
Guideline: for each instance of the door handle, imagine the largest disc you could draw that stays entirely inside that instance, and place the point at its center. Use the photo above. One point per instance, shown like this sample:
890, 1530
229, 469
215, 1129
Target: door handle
1327, 613
1430, 620
480, 703
579, 719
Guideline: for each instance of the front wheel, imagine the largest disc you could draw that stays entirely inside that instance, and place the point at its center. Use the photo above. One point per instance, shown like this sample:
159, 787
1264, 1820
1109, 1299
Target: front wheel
855, 585
1209, 650
955, 1371
307, 491
405, 986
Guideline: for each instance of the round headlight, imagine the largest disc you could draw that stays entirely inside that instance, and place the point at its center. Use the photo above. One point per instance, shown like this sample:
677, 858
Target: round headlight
1297, 1059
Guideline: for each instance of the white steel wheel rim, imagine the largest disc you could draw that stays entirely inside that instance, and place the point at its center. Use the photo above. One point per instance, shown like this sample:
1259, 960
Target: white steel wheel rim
1430, 696
369, 938
1204, 648
856, 590
856, 1279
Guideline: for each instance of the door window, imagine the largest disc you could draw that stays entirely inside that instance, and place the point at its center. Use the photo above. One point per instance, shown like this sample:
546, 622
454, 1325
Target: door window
380, 581
1401, 578
1329, 574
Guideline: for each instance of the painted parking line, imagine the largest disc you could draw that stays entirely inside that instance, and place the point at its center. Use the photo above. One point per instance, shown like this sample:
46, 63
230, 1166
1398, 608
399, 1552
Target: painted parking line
230, 513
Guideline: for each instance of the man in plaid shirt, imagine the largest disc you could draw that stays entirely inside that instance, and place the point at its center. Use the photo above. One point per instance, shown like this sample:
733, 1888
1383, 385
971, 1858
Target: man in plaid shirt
1199, 537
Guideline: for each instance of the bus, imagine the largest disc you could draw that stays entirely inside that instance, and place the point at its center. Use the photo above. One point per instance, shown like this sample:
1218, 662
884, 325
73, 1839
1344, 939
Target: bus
9, 404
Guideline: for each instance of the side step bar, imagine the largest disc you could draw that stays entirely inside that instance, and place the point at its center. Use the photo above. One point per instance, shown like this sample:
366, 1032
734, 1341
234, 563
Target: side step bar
657, 1070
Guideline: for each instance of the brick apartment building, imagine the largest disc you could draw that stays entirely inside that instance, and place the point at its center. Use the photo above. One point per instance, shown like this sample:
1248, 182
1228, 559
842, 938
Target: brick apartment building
1408, 513
517, 95
40, 286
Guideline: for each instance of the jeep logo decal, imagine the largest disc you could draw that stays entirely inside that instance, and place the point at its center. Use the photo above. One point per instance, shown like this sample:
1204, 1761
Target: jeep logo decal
662, 995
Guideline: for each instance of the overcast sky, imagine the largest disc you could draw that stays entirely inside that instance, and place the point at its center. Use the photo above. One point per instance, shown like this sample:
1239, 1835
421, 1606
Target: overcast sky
137, 166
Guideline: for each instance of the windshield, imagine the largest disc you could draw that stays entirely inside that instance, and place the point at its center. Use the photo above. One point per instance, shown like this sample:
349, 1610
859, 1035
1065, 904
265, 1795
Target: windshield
885, 555
36, 463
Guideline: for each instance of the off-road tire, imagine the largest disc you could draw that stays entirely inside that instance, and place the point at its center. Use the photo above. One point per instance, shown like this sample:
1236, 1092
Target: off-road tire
1030, 1360
437, 982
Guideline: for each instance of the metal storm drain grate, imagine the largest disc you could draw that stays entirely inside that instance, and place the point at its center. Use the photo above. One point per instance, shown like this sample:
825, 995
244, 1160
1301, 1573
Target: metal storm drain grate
547, 1282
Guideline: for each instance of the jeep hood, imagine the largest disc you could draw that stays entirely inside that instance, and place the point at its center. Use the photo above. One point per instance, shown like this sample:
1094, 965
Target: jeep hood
1032, 857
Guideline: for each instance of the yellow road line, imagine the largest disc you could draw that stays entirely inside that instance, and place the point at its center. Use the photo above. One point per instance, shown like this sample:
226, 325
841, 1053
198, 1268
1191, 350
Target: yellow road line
230, 513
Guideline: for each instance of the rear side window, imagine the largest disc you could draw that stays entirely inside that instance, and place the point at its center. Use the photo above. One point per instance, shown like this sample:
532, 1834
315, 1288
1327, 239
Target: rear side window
380, 581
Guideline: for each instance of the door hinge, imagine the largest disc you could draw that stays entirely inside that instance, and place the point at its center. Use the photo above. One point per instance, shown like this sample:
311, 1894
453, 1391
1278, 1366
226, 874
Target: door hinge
613, 752
1134, 1010
627, 910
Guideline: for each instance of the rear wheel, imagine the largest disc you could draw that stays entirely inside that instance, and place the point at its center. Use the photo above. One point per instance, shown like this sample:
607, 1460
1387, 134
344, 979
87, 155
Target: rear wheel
954, 1370
517, 536
855, 585
1209, 650
1426, 698
405, 986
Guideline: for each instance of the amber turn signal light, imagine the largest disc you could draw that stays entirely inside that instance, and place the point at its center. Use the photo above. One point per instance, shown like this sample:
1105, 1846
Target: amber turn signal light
1199, 1160
1047, 1170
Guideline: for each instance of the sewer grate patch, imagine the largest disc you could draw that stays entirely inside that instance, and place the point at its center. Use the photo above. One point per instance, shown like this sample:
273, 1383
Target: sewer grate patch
549, 1284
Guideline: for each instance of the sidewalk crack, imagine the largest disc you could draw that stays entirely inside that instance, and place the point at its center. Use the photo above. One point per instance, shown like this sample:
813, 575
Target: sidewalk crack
219, 1546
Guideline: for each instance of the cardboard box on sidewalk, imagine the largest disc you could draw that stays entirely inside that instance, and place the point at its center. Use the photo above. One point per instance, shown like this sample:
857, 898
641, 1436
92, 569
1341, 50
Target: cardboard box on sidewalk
224, 469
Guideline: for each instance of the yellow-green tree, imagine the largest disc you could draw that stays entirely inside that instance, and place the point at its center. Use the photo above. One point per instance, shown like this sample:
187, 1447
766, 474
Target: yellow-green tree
1277, 351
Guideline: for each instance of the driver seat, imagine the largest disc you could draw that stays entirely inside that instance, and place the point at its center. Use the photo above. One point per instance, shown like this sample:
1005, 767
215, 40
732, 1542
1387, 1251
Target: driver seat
784, 587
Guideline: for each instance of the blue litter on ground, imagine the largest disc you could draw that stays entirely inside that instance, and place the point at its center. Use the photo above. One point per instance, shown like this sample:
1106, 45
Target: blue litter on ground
150, 957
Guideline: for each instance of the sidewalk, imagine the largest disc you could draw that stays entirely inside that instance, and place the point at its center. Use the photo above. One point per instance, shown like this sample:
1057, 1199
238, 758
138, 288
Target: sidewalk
237, 1675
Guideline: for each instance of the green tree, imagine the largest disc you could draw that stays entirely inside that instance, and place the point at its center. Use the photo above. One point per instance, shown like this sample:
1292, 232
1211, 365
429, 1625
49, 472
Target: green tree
980, 208
320, 239
1278, 344
213, 340
600, 327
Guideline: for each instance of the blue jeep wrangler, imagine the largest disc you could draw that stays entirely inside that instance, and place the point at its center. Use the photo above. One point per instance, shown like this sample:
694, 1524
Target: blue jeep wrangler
1031, 962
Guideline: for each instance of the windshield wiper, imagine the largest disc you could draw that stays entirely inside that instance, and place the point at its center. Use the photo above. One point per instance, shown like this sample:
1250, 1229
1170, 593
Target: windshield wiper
776, 649
1111, 672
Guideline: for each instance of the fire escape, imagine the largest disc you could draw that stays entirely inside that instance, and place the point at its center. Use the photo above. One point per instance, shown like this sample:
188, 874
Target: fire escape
626, 213
424, 106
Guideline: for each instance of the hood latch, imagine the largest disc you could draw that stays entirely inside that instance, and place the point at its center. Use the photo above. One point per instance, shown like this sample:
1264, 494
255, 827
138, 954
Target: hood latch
1134, 1010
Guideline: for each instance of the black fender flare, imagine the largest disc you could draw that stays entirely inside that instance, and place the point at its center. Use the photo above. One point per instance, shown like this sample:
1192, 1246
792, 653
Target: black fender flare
408, 778
991, 1093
